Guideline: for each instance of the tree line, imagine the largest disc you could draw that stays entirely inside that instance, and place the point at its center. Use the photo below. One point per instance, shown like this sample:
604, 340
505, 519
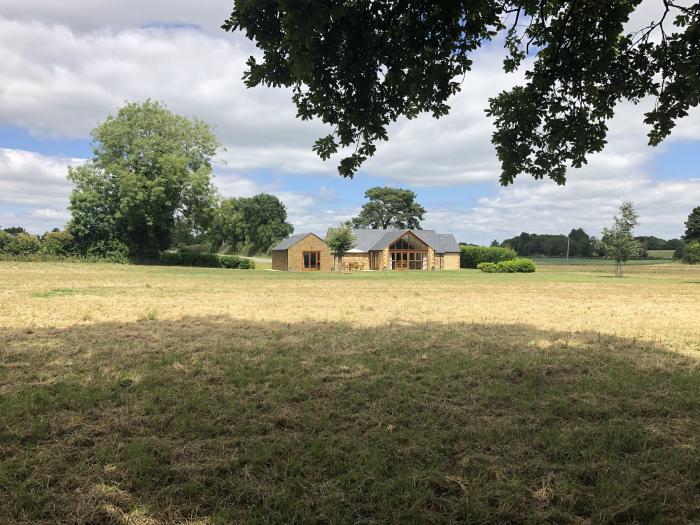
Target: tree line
580, 244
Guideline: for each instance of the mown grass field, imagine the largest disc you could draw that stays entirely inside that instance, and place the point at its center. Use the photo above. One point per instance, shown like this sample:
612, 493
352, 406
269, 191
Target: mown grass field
660, 257
153, 395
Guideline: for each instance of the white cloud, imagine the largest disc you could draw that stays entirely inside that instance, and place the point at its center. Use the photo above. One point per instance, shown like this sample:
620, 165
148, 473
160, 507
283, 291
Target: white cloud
82, 16
28, 178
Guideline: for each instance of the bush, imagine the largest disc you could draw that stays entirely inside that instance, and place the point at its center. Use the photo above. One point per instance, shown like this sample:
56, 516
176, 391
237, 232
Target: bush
5, 240
196, 248
59, 243
471, 256
516, 266
487, 267
691, 254
509, 266
22, 244
109, 251
206, 260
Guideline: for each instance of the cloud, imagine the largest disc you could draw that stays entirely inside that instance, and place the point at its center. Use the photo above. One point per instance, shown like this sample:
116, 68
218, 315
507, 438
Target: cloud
28, 178
73, 81
82, 16
33, 190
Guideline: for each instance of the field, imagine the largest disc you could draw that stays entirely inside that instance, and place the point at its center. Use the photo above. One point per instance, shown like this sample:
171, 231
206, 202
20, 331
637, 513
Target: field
152, 395
662, 254
597, 261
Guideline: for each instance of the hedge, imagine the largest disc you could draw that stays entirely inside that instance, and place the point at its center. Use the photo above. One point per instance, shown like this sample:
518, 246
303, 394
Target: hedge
510, 266
471, 256
208, 260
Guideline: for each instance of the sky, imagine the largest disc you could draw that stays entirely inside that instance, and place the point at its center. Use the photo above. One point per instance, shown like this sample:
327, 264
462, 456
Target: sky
68, 65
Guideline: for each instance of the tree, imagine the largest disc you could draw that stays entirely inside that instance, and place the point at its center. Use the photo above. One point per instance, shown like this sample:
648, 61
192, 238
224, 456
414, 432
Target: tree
494, 243
692, 226
340, 240
150, 169
617, 242
252, 224
580, 244
691, 254
265, 222
389, 208
358, 66
14, 230
228, 226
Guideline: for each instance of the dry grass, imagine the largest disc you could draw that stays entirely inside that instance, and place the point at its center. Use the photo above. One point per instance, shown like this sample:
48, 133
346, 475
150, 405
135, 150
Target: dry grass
148, 395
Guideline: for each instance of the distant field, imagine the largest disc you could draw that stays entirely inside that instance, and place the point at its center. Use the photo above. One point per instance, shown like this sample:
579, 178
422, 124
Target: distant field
661, 254
596, 260
153, 395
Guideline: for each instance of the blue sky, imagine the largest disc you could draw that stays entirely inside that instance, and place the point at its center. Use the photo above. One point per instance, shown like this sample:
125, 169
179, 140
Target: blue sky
93, 57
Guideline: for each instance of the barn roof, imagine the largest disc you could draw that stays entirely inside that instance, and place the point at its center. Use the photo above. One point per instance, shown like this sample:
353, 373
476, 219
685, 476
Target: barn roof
291, 241
367, 240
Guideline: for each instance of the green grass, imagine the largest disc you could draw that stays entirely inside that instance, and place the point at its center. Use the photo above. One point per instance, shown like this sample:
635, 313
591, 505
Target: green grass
661, 254
218, 396
595, 261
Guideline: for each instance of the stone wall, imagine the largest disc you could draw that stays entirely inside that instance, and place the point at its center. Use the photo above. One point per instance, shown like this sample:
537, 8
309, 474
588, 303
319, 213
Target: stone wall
279, 260
310, 243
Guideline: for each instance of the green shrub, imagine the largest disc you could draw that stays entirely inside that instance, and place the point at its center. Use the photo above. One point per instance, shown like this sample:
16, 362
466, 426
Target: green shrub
206, 260
510, 266
109, 251
487, 267
58, 243
5, 240
691, 254
197, 248
22, 244
516, 266
471, 256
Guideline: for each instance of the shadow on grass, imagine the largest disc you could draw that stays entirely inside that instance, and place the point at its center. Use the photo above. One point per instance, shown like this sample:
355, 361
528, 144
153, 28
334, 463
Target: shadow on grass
229, 421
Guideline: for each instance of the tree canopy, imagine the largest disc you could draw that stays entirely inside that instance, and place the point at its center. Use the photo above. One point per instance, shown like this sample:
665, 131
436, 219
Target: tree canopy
251, 224
389, 208
358, 66
692, 226
150, 170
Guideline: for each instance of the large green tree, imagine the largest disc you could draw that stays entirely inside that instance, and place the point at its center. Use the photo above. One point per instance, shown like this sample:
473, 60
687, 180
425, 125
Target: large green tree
389, 208
251, 223
359, 65
265, 219
692, 225
150, 169
617, 242
227, 227
580, 243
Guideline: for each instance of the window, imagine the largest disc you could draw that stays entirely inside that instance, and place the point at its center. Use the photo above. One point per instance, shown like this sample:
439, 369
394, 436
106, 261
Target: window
408, 242
312, 261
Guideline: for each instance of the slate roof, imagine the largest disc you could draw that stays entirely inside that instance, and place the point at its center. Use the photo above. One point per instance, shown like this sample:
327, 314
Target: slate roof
291, 241
367, 240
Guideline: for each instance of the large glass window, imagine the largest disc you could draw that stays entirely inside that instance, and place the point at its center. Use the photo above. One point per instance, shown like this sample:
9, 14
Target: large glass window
312, 260
407, 242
